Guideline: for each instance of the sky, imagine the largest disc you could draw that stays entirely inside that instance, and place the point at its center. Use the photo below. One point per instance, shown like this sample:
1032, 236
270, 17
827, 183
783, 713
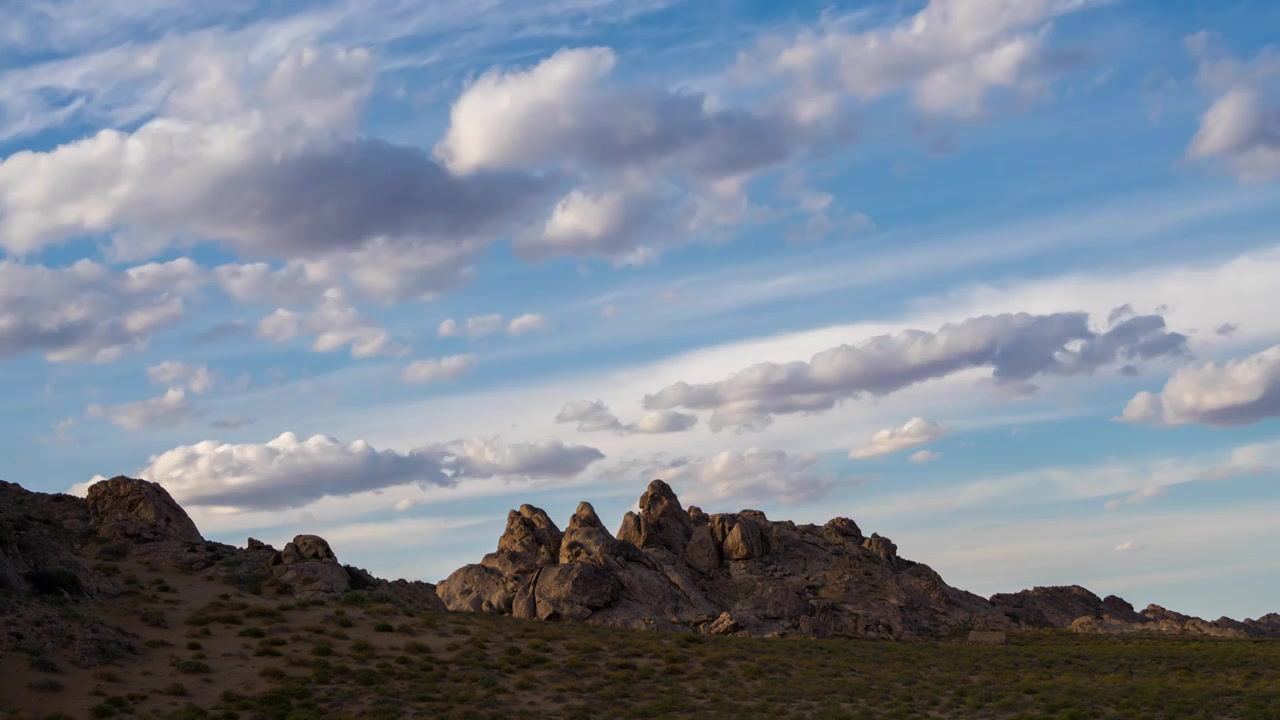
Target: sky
995, 278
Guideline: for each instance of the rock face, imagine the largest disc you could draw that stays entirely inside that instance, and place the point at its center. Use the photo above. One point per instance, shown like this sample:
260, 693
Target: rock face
734, 573
136, 510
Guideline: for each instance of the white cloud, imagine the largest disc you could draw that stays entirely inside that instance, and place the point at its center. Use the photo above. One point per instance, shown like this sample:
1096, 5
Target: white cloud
590, 416
288, 472
527, 323
1241, 128
267, 159
660, 167
664, 421
1128, 546
86, 312
335, 324
1236, 392
280, 325
916, 431
921, 457
472, 327
168, 409
951, 56
749, 476
195, 378
447, 368
1017, 348
594, 416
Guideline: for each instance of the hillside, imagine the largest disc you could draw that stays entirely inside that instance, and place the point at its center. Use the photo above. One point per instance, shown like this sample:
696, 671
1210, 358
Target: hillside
114, 606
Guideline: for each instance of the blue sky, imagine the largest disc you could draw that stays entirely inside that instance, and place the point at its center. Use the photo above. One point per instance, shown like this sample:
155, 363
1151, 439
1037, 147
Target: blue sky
993, 278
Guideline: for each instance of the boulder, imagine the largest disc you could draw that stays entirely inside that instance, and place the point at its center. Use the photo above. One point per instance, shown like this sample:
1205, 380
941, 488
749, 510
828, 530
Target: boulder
123, 508
477, 588
882, 547
567, 592
743, 540
307, 548
314, 580
723, 625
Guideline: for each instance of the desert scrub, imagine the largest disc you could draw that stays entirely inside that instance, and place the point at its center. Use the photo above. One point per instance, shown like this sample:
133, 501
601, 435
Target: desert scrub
45, 685
193, 667
154, 618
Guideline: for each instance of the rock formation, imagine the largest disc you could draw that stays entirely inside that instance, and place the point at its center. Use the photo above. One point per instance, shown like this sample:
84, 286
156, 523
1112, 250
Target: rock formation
733, 573
136, 510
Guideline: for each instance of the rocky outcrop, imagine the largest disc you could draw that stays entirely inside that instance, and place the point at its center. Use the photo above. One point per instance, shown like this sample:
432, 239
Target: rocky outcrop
307, 548
1056, 606
123, 508
733, 573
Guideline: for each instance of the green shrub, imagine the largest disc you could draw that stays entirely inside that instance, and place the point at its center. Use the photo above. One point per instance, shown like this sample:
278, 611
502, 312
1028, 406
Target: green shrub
193, 667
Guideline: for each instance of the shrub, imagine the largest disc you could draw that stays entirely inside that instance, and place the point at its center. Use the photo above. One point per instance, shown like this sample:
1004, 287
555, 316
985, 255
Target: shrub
56, 581
176, 689
253, 632
383, 627
106, 675
45, 685
113, 551
154, 618
44, 665
193, 667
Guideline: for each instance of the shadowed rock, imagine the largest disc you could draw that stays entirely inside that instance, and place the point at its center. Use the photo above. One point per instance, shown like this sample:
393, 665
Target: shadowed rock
124, 508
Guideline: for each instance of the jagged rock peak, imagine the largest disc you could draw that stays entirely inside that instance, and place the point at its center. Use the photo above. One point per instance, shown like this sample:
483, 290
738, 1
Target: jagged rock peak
662, 522
584, 517
125, 508
530, 531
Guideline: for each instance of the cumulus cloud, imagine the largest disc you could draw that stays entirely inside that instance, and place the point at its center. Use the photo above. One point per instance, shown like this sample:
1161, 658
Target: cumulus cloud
87, 312
172, 408
750, 476
472, 327
595, 416
590, 415
951, 56
921, 457
195, 378
1017, 348
267, 160
335, 323
1235, 392
916, 431
290, 472
661, 166
527, 323
1240, 130
447, 368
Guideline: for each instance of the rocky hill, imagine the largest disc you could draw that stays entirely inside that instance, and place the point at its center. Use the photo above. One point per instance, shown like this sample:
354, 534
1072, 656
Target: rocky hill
743, 574
667, 568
